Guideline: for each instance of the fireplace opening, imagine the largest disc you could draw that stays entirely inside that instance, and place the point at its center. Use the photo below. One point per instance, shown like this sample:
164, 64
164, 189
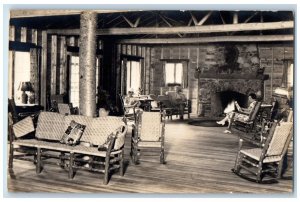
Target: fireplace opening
222, 99
228, 96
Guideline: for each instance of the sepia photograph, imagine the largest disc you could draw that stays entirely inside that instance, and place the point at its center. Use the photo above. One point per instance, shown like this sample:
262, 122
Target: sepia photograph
150, 101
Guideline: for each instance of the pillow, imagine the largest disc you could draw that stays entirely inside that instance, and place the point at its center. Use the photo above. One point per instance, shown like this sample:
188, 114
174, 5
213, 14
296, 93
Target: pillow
73, 133
23, 127
104, 147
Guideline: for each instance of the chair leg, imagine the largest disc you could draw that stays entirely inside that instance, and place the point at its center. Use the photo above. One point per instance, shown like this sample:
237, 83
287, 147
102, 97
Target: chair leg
279, 169
11, 157
259, 172
162, 156
121, 155
106, 172
62, 160
71, 163
38, 161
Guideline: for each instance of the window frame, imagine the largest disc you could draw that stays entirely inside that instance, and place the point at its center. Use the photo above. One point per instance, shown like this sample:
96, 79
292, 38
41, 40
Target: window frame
184, 76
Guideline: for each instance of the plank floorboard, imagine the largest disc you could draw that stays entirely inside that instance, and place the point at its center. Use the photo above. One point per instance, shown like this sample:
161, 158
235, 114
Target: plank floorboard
198, 160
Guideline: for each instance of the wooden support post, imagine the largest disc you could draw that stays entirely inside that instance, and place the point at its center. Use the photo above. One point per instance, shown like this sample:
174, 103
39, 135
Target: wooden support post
12, 33
235, 18
23, 34
87, 63
43, 93
34, 36
53, 63
63, 66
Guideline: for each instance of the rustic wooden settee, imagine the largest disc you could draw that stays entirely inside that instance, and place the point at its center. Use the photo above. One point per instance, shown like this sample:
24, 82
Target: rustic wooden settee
44, 146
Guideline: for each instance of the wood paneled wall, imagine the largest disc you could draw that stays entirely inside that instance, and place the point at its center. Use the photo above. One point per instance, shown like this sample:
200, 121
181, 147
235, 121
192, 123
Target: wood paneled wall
271, 56
53, 65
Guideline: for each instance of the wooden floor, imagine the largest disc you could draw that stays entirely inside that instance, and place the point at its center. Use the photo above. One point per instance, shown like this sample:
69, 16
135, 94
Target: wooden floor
199, 160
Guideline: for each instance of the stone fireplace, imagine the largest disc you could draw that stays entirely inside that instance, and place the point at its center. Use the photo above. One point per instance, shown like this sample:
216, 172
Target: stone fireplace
216, 93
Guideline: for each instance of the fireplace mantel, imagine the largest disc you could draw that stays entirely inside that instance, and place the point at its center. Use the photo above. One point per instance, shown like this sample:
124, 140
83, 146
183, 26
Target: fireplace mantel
234, 76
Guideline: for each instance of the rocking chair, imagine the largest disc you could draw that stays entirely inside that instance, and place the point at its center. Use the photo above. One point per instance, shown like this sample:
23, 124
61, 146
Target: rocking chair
248, 125
268, 159
149, 135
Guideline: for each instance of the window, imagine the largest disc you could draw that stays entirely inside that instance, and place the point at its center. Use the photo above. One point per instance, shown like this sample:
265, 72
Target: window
133, 76
21, 72
176, 73
74, 81
287, 77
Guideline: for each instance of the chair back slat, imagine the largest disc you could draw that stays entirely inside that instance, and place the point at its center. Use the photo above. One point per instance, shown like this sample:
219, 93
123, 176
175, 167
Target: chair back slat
150, 126
280, 139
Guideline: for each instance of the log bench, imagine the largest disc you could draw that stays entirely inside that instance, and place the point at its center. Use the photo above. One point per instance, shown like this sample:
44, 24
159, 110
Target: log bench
42, 145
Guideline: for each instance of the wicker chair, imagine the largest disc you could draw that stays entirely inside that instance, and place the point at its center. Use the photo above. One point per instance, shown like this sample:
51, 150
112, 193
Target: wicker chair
149, 135
267, 159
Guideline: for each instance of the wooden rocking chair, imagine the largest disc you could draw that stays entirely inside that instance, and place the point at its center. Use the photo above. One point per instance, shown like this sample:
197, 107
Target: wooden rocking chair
268, 159
149, 135
248, 125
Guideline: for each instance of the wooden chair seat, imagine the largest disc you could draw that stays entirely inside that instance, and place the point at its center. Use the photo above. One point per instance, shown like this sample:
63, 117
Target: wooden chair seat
149, 144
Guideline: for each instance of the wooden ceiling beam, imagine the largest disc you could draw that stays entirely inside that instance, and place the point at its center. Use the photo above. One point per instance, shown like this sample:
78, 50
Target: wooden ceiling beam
249, 38
184, 29
38, 13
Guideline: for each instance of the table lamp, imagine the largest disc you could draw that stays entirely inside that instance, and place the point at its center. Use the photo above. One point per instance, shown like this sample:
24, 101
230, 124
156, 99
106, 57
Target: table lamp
25, 86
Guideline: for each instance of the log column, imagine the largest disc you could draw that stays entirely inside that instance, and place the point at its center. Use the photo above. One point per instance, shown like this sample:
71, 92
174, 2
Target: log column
87, 63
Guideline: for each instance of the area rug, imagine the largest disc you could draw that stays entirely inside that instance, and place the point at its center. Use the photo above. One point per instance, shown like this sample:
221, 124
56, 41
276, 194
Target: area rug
204, 123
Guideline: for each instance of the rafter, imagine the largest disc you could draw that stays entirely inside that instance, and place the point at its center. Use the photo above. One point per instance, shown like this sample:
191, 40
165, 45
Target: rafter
194, 18
248, 19
223, 21
202, 21
137, 22
169, 24
128, 21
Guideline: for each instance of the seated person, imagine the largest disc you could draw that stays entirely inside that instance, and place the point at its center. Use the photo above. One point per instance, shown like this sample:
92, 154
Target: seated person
178, 99
131, 102
235, 115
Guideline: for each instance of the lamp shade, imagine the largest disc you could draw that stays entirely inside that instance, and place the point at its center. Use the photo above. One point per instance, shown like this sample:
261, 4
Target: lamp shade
25, 86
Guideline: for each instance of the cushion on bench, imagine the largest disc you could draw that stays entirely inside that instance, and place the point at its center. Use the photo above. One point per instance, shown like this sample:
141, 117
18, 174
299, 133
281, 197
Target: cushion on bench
23, 127
50, 126
100, 128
